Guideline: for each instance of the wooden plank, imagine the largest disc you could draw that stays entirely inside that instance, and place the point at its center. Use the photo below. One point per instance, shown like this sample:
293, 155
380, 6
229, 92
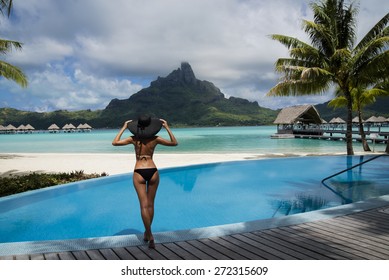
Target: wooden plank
379, 219
360, 232
353, 223
51, 256
38, 257
123, 254
224, 248
372, 220
329, 242
239, 251
194, 250
209, 248
66, 256
364, 242
290, 249
167, 253
294, 242
182, 253
153, 254
340, 243
109, 254
80, 255
262, 249
137, 253
319, 245
262, 255
7, 258
95, 255
22, 257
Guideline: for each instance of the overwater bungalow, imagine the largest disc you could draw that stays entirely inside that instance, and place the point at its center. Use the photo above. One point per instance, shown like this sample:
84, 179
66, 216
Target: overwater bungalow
84, 127
69, 128
53, 128
301, 120
304, 122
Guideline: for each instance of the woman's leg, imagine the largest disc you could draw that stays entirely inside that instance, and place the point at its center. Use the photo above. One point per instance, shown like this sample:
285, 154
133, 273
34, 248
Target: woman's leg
151, 193
146, 196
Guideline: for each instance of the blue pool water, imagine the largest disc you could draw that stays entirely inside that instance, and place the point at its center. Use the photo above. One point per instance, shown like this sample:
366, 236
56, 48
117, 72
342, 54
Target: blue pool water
191, 197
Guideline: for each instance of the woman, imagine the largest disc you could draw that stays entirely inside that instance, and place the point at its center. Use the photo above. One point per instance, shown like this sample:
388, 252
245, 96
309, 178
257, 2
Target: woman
146, 176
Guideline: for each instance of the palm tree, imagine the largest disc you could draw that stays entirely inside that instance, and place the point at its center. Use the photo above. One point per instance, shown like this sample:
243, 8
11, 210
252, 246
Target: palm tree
7, 70
331, 59
361, 98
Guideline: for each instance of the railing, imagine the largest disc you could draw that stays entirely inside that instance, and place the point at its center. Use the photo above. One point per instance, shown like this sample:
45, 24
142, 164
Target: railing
347, 200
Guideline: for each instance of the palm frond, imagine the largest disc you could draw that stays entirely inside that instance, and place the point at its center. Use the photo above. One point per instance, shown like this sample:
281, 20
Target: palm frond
6, 46
372, 49
289, 42
379, 29
306, 54
374, 70
320, 37
338, 102
299, 87
11, 72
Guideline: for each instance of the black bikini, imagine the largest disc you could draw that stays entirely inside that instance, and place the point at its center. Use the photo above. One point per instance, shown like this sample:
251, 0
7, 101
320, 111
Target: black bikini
146, 173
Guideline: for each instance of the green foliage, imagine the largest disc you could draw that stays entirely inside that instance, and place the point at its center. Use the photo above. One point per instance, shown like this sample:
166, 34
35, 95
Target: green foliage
20, 183
332, 58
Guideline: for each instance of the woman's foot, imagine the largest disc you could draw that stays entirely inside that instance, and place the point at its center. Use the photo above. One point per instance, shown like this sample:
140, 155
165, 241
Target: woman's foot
151, 244
145, 238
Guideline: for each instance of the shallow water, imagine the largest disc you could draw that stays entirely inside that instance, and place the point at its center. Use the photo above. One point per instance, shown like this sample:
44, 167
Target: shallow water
191, 140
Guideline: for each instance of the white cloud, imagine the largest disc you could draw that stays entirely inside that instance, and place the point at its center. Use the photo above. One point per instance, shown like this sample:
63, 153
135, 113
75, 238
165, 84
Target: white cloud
88, 52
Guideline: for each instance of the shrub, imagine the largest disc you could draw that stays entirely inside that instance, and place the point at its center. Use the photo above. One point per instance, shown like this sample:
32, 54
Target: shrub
20, 183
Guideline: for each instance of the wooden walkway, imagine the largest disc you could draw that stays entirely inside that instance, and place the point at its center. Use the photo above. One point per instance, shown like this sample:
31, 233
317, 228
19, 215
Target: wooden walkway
364, 235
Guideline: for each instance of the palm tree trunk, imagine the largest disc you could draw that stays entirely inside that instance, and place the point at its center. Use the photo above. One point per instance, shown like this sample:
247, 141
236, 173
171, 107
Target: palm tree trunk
365, 145
349, 121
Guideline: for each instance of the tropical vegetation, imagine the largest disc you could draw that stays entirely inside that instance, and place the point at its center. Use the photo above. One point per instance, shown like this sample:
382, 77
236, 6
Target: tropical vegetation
361, 98
13, 184
332, 59
7, 70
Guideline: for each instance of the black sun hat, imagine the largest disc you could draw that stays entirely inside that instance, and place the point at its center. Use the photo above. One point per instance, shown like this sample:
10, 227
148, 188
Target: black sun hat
145, 127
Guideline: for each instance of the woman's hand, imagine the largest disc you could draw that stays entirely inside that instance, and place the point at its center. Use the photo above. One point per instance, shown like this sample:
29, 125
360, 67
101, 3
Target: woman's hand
126, 123
164, 123
173, 141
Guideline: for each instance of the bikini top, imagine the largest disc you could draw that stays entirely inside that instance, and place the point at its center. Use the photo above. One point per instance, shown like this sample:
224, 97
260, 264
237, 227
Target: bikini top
143, 157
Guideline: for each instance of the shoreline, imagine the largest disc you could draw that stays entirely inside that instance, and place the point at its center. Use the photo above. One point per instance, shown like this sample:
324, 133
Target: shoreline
113, 164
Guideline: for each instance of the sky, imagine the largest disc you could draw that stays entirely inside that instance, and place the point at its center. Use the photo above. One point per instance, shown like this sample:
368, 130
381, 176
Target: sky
81, 54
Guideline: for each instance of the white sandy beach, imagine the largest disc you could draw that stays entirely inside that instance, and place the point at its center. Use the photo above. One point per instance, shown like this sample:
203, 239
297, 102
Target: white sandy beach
111, 164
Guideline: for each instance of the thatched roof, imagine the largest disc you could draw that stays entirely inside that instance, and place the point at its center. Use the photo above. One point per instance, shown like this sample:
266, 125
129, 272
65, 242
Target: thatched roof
10, 127
337, 120
69, 126
374, 119
53, 127
29, 127
84, 126
302, 113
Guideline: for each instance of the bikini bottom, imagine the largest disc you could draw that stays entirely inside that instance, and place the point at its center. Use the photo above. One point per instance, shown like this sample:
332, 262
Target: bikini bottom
146, 173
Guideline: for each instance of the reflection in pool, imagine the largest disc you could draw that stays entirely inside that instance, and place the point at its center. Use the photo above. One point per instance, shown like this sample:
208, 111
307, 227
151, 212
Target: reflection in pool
191, 197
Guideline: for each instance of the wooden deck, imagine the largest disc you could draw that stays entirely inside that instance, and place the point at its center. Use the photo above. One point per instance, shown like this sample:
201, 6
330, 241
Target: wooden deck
364, 235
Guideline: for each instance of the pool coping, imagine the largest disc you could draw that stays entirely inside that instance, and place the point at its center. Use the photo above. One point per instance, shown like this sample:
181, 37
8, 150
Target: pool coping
50, 246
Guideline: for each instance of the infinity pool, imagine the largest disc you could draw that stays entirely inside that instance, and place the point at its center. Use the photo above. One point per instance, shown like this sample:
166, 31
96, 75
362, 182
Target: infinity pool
192, 197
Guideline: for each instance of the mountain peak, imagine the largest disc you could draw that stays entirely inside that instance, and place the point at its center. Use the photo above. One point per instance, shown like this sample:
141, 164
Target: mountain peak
187, 74
182, 76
